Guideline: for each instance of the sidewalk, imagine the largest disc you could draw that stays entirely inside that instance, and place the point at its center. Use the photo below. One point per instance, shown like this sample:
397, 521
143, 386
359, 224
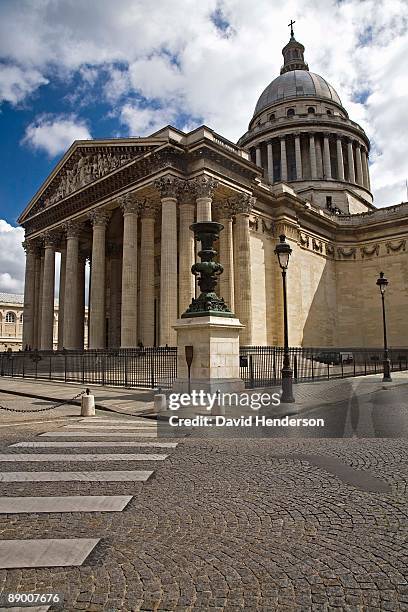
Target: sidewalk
139, 402
125, 401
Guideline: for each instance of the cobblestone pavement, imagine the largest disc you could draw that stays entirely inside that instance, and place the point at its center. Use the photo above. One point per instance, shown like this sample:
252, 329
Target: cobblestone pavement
227, 524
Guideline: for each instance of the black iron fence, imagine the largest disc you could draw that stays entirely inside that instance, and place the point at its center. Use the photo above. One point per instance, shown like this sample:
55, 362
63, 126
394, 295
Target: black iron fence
149, 367
260, 366
154, 367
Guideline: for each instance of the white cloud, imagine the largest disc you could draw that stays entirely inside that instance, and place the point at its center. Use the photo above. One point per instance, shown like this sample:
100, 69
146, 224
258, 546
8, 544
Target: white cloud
12, 258
16, 84
174, 55
144, 121
54, 134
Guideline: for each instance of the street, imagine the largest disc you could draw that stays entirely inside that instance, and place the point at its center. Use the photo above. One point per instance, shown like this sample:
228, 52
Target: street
225, 523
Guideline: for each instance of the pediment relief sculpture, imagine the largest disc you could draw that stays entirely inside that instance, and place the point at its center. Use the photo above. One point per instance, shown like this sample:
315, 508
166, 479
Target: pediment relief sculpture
83, 168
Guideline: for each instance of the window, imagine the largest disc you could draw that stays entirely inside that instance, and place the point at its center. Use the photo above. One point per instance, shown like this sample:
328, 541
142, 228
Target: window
329, 202
328, 111
21, 318
311, 110
291, 112
10, 317
272, 117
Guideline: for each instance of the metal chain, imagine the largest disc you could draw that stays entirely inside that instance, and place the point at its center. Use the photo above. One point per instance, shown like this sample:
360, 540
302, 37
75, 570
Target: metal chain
68, 401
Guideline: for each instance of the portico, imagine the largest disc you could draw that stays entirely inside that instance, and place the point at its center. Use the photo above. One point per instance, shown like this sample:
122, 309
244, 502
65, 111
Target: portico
141, 250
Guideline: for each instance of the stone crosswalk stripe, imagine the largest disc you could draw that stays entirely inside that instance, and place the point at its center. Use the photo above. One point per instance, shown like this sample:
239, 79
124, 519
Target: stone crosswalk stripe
147, 422
90, 434
110, 427
104, 476
73, 503
28, 457
87, 444
45, 553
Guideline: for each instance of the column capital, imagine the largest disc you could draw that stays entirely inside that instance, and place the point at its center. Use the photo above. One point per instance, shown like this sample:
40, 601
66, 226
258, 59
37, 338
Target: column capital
72, 229
241, 203
30, 246
282, 136
99, 216
149, 208
169, 186
130, 204
50, 240
203, 186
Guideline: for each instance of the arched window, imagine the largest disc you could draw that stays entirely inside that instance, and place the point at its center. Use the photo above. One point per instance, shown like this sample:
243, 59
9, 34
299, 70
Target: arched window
328, 111
10, 317
311, 110
291, 112
272, 117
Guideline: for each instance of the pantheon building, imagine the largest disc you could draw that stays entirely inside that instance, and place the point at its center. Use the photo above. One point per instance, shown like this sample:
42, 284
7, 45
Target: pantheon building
126, 205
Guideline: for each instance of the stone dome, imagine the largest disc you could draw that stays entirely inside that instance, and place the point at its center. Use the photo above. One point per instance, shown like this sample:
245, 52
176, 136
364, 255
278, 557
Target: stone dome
296, 84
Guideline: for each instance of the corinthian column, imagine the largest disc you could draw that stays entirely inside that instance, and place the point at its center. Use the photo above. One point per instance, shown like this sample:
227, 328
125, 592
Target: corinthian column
326, 157
269, 150
61, 296
128, 335
283, 160
258, 157
70, 320
169, 188
29, 294
313, 162
115, 286
37, 300
186, 250
298, 157
241, 205
226, 257
204, 187
351, 174
80, 326
48, 287
359, 165
148, 216
39, 270
340, 162
97, 339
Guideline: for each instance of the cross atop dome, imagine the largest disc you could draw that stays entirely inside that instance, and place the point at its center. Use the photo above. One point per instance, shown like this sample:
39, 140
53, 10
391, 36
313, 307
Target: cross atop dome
293, 53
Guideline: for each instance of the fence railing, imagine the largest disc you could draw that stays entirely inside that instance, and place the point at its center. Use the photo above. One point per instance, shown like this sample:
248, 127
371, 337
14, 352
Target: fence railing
149, 367
154, 367
260, 366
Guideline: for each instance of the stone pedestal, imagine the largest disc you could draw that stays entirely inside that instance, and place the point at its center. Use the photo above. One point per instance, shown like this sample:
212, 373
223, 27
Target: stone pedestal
215, 365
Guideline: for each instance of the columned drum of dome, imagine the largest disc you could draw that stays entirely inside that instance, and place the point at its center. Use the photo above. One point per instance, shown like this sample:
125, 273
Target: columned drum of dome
301, 127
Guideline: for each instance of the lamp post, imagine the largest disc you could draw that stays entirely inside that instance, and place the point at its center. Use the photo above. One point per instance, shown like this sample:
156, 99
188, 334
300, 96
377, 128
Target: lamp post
283, 251
382, 282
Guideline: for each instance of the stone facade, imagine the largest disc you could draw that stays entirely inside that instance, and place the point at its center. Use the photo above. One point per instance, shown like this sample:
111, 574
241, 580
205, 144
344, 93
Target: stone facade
127, 204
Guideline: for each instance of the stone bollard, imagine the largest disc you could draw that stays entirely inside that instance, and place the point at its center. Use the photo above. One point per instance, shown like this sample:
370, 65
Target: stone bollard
88, 404
160, 402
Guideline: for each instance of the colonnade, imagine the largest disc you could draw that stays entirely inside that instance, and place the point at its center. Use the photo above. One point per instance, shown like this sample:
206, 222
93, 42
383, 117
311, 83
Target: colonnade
132, 316
313, 155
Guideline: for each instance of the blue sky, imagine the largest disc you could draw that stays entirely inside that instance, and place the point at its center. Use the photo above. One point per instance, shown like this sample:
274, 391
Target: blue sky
73, 70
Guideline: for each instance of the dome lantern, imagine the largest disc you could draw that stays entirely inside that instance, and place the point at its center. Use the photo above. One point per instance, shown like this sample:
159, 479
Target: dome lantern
293, 54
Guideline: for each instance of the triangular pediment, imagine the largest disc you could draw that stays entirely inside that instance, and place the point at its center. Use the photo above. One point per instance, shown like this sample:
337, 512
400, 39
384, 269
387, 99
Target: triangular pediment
86, 162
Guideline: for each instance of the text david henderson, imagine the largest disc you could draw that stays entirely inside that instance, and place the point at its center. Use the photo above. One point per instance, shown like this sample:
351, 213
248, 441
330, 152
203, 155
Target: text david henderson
244, 421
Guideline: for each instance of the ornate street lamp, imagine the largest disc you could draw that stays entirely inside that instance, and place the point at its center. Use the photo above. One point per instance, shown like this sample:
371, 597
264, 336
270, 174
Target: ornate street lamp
283, 251
382, 282
208, 302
